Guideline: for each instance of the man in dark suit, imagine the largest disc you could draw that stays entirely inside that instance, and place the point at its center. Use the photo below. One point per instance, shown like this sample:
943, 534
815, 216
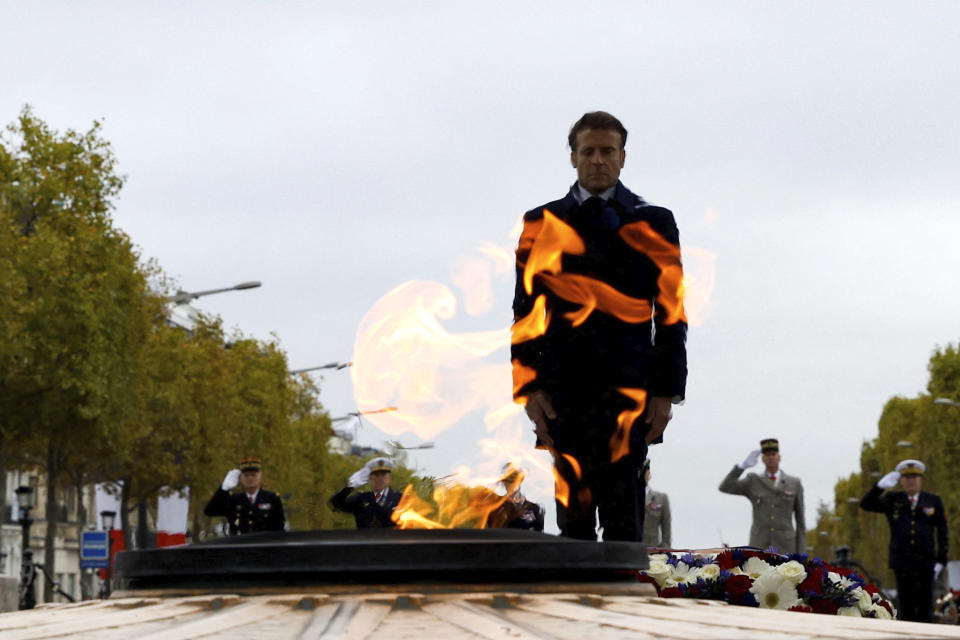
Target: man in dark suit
777, 500
371, 509
918, 536
599, 333
250, 510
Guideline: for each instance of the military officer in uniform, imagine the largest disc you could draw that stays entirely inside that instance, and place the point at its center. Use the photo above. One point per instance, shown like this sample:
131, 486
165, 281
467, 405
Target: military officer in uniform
777, 500
371, 509
254, 508
918, 536
516, 512
656, 521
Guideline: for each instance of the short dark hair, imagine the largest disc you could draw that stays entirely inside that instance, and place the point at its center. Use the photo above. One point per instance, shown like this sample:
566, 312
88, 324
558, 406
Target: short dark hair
597, 120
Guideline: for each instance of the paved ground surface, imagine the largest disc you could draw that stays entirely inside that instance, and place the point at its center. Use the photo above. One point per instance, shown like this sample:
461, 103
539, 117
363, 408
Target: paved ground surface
385, 616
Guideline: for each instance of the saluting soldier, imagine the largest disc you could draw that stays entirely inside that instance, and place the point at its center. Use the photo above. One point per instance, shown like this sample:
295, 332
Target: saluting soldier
371, 509
254, 508
777, 500
918, 536
656, 521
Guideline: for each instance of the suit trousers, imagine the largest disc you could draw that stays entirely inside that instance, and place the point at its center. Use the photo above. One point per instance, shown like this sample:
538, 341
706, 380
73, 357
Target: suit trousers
915, 593
593, 482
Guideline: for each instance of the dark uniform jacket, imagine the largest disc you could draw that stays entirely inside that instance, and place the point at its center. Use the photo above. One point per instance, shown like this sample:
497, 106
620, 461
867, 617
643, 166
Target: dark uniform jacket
577, 357
367, 513
918, 536
264, 514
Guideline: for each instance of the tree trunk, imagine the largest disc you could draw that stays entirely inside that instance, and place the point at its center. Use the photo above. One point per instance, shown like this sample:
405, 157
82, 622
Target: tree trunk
52, 515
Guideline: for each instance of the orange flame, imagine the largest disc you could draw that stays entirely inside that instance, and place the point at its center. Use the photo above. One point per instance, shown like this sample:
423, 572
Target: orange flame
620, 441
699, 276
562, 487
596, 294
547, 239
666, 255
534, 324
522, 375
456, 506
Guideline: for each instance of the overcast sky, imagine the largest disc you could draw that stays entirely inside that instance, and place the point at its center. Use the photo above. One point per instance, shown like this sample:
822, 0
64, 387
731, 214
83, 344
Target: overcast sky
809, 151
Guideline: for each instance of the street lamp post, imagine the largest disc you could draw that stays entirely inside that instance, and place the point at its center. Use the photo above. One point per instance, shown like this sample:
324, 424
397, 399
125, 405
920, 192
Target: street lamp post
108, 518
183, 297
27, 500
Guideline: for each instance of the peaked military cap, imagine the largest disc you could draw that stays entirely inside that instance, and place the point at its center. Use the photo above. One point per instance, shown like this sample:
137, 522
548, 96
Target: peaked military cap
380, 464
770, 444
911, 467
249, 464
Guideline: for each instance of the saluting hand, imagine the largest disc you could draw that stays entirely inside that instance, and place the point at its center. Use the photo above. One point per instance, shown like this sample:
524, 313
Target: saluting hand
231, 480
890, 480
359, 478
751, 459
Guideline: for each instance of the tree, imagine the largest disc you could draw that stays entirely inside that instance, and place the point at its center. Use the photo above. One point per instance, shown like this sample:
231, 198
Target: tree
80, 308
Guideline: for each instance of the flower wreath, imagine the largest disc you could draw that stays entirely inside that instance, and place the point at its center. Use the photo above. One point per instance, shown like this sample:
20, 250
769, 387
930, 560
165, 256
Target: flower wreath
754, 578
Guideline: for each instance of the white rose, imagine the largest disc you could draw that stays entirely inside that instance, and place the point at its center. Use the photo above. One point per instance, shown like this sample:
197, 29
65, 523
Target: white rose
880, 612
866, 601
851, 612
710, 571
792, 571
658, 557
658, 570
756, 567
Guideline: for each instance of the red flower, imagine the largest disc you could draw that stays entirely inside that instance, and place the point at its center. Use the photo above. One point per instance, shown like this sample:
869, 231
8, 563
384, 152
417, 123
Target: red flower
671, 592
871, 588
801, 608
738, 586
822, 605
813, 582
725, 560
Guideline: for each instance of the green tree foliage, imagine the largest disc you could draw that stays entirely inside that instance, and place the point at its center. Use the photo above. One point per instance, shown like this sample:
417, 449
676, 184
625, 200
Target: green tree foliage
908, 428
80, 307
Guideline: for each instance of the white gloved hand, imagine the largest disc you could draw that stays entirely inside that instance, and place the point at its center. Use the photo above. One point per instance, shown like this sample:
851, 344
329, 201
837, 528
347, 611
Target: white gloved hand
889, 480
750, 460
937, 568
230, 480
359, 478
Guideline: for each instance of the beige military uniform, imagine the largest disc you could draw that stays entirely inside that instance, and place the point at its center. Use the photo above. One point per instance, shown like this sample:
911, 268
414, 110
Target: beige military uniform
775, 506
656, 519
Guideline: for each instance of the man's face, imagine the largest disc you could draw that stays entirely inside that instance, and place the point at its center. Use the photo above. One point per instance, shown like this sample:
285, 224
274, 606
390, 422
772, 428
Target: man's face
250, 479
379, 480
598, 159
771, 460
911, 484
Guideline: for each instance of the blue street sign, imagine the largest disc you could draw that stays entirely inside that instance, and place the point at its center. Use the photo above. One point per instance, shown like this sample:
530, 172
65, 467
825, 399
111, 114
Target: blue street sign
94, 550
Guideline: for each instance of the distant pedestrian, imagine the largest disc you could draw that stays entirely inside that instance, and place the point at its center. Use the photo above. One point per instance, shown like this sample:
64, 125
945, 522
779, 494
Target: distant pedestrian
251, 510
371, 509
918, 536
777, 500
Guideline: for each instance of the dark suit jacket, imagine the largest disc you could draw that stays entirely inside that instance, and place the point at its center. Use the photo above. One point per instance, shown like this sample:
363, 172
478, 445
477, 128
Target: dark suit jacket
367, 513
629, 245
918, 536
265, 514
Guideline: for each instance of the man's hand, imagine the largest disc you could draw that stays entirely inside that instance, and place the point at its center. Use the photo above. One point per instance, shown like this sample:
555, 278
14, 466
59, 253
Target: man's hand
359, 478
937, 568
540, 409
750, 460
889, 481
659, 412
231, 480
